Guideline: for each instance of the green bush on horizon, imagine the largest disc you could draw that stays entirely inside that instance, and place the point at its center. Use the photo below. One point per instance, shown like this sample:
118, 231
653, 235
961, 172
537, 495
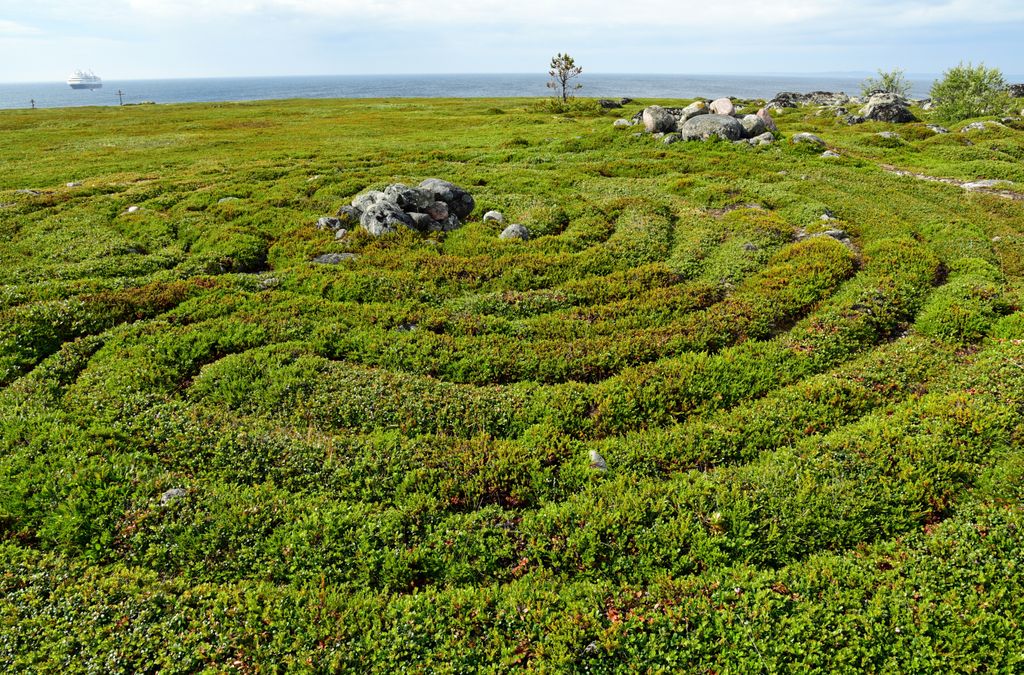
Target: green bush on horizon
967, 91
890, 81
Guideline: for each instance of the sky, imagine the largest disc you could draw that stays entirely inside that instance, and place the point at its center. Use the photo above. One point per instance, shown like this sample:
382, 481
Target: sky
44, 40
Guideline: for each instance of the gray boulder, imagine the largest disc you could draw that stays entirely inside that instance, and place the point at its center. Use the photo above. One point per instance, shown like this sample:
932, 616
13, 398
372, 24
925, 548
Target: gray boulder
597, 461
621, 124
384, 218
496, 216
366, 200
328, 223
348, 215
409, 199
692, 110
608, 104
658, 120
170, 495
450, 223
459, 202
752, 126
515, 231
704, 127
1015, 90
333, 258
437, 211
767, 138
808, 138
887, 107
422, 221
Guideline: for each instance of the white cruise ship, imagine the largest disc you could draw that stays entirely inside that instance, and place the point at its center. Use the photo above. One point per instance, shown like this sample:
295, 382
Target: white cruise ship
85, 79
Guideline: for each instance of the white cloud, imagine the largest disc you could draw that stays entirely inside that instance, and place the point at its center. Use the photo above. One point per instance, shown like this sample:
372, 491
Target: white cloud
682, 14
13, 29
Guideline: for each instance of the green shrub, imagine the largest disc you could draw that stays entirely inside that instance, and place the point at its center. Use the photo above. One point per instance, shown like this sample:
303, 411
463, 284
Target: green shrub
967, 91
891, 81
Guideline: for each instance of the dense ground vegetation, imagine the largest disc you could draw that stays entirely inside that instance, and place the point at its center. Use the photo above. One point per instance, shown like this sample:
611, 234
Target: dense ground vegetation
814, 451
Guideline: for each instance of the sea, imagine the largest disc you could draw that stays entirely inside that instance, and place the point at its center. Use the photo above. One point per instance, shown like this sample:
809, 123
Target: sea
58, 94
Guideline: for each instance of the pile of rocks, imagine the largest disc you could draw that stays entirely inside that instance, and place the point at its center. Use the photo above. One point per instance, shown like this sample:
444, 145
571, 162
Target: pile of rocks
701, 120
435, 205
879, 106
792, 99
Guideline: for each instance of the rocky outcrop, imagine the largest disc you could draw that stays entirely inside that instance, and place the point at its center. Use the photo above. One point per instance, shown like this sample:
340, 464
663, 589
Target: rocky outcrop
1015, 90
887, 107
792, 99
434, 205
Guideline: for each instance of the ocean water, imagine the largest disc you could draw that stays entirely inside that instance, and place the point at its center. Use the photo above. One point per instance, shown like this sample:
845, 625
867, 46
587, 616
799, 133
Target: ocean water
57, 94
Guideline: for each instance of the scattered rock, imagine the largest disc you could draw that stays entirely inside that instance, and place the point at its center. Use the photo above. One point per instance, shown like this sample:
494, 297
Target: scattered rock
333, 258
328, 223
515, 231
1015, 90
658, 120
608, 104
495, 216
807, 138
74, 184
669, 139
132, 209
979, 126
831, 154
984, 183
172, 494
767, 138
597, 461
25, 191
625, 100
621, 123
340, 233
892, 135
750, 247
227, 200
887, 107
937, 129
722, 106
854, 119
704, 127
838, 235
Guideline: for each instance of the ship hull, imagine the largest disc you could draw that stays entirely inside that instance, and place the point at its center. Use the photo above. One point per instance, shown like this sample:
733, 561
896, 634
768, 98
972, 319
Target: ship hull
83, 85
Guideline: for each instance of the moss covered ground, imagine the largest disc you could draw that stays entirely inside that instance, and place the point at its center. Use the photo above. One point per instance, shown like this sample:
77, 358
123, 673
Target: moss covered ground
814, 450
